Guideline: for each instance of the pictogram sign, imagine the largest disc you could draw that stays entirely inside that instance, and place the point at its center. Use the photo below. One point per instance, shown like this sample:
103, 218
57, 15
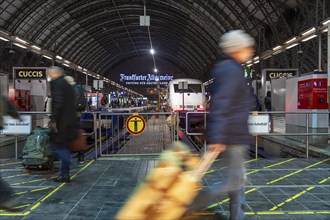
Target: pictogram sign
135, 124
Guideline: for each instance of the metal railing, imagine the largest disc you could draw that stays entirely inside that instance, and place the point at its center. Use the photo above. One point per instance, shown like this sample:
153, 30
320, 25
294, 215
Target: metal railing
41, 119
114, 138
306, 134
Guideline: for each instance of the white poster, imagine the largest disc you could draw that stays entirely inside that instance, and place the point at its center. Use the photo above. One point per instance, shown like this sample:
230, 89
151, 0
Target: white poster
15, 127
259, 124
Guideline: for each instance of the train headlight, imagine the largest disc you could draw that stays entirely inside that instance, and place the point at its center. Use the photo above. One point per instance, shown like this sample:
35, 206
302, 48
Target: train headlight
200, 106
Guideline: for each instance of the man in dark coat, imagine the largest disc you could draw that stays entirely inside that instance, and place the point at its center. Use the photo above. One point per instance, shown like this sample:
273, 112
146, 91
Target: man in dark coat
7, 200
62, 120
227, 126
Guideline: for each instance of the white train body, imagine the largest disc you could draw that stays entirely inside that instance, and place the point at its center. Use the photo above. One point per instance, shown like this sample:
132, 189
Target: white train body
193, 100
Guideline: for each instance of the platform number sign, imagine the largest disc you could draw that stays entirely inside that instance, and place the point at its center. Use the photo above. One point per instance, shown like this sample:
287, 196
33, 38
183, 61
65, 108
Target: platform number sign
135, 124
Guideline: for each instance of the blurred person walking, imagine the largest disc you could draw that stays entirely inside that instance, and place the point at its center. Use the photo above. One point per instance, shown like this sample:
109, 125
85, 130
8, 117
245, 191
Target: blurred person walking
7, 200
62, 120
80, 106
227, 126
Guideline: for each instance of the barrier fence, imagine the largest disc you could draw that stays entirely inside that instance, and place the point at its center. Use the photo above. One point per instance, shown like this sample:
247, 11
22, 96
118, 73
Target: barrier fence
127, 134
307, 124
108, 132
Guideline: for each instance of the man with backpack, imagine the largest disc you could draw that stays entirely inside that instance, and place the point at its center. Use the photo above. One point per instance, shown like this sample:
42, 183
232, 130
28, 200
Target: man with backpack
80, 106
62, 120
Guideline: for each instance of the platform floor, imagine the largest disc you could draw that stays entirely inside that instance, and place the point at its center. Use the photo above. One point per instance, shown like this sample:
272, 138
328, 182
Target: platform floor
155, 138
276, 189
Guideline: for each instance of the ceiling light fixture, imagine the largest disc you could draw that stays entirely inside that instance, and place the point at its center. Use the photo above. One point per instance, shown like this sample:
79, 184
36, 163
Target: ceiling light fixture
291, 40
20, 45
36, 47
277, 47
312, 30
47, 57
21, 40
4, 39
293, 45
326, 21
58, 57
308, 38
152, 51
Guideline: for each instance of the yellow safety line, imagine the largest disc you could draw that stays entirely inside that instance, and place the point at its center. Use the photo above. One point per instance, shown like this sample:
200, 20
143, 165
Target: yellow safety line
212, 171
34, 190
253, 189
297, 195
276, 164
31, 181
37, 190
9, 177
289, 212
18, 207
20, 193
45, 197
5, 164
297, 171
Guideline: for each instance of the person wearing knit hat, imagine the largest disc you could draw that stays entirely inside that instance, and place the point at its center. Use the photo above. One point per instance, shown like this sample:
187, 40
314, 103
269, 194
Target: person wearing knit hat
227, 123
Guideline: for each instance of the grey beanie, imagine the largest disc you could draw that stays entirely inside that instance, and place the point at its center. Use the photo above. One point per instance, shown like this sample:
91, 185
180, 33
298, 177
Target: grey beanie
235, 40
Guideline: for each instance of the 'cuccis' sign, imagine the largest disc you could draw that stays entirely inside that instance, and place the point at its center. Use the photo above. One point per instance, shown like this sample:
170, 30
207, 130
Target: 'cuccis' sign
29, 72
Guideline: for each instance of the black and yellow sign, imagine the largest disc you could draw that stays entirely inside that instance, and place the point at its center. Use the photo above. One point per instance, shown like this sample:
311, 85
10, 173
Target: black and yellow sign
135, 124
30, 72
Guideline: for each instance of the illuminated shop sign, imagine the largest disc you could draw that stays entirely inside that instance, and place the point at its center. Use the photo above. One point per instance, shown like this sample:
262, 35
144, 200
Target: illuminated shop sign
30, 72
145, 79
276, 74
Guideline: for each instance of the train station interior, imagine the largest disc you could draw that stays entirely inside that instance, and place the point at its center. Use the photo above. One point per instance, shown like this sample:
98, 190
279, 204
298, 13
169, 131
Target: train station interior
149, 73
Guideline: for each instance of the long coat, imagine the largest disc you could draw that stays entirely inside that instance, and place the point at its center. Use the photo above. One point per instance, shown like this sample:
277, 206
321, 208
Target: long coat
230, 104
63, 112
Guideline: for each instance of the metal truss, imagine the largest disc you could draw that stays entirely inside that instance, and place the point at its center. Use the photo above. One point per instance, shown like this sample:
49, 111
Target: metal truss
99, 35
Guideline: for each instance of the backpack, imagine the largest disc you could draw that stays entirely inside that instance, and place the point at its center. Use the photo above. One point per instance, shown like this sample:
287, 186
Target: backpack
36, 150
80, 100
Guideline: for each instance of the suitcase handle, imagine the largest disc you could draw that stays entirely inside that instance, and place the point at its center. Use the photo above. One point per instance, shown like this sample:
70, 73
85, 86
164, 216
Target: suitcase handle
205, 163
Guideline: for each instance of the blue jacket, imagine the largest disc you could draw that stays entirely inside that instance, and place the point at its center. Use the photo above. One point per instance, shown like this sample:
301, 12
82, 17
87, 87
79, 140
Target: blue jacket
230, 104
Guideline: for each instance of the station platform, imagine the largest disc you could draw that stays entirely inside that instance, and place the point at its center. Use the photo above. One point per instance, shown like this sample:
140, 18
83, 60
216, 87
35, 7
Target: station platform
287, 188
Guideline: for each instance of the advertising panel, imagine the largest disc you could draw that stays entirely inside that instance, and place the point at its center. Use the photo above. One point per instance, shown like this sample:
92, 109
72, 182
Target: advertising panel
312, 94
144, 79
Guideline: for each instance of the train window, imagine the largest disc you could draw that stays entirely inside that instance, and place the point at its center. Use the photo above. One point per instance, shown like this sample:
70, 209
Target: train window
192, 88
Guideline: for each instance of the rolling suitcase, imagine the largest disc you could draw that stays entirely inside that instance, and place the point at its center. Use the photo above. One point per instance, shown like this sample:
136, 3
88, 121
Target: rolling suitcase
169, 188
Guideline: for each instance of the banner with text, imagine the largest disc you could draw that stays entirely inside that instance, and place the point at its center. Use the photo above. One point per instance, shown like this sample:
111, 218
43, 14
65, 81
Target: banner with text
144, 79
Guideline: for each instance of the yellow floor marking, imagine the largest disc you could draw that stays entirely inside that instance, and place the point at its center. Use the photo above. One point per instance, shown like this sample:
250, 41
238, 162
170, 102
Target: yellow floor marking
20, 193
253, 189
37, 190
297, 195
297, 171
31, 181
9, 177
18, 207
290, 213
6, 164
279, 163
45, 197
